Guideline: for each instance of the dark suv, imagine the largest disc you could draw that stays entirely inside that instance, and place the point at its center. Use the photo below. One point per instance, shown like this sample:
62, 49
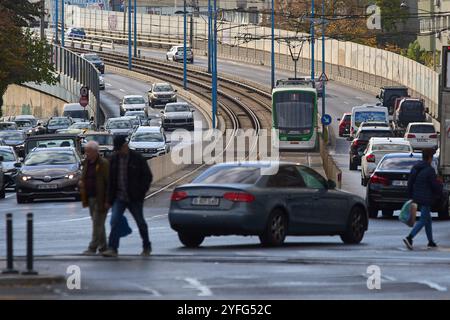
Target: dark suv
388, 95
359, 144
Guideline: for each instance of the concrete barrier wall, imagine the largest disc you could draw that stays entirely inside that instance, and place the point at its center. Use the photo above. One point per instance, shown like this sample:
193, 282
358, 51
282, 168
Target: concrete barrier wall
354, 64
24, 100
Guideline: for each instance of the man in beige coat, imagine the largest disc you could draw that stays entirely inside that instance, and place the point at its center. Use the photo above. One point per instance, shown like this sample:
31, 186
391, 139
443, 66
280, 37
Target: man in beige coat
93, 188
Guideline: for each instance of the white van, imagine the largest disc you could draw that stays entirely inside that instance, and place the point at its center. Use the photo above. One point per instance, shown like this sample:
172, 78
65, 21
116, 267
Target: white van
76, 112
367, 113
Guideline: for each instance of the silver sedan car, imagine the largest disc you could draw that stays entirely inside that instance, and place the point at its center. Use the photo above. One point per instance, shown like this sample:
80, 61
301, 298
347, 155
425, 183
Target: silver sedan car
250, 198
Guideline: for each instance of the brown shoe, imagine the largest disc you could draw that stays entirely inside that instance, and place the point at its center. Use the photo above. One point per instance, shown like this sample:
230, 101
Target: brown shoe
89, 252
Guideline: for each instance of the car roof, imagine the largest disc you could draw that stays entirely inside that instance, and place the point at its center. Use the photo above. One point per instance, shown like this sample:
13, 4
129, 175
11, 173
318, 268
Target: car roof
161, 84
374, 128
119, 118
53, 136
403, 155
421, 124
379, 140
8, 122
102, 133
55, 149
133, 96
25, 116
394, 87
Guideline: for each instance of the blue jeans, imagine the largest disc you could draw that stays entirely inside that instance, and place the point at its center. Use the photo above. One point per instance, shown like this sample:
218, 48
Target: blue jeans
136, 209
425, 221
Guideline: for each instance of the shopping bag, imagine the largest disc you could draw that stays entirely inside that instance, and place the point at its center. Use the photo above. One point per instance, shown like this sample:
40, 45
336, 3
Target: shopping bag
408, 213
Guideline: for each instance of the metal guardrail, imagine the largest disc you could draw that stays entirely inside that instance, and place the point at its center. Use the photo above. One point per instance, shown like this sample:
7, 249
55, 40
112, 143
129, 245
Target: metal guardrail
79, 72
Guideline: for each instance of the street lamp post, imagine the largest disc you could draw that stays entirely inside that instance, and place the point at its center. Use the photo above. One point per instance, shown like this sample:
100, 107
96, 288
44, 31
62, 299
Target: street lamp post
272, 56
184, 46
312, 40
209, 35
129, 35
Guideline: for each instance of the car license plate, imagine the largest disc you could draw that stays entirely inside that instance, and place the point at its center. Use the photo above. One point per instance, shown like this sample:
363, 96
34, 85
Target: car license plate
164, 100
205, 201
400, 183
422, 140
294, 142
47, 186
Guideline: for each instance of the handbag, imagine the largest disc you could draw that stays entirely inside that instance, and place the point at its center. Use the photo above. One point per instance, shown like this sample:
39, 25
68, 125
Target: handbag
408, 213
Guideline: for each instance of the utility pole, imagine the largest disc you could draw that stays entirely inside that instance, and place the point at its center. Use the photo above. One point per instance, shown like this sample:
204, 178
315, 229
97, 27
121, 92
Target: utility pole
312, 40
56, 21
209, 35
214, 68
184, 46
323, 56
272, 55
135, 29
129, 35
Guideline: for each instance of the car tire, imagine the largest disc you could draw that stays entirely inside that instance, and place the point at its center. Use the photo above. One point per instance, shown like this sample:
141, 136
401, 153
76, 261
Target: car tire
21, 199
373, 211
355, 227
387, 213
443, 213
352, 166
276, 229
190, 240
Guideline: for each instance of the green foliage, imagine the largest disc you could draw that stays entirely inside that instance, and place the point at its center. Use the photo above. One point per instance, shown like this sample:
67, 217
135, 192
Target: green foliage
416, 53
23, 57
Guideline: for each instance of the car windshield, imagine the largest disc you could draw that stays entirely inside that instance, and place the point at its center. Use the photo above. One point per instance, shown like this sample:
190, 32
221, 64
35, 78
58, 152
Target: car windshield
135, 114
11, 135
50, 143
23, 123
7, 155
46, 158
59, 122
147, 137
80, 125
367, 134
163, 88
101, 139
240, 175
8, 126
369, 116
134, 100
92, 58
391, 147
422, 129
78, 30
119, 124
177, 108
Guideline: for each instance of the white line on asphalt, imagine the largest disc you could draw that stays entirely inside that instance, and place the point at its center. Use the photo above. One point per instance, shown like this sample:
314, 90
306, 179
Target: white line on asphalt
195, 284
149, 290
108, 84
158, 216
346, 102
433, 285
122, 90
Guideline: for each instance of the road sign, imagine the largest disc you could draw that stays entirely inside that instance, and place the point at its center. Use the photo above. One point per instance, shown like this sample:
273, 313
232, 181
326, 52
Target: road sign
326, 119
323, 77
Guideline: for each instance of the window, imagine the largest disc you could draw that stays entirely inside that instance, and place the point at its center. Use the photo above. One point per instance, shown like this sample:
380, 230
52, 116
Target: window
422, 128
367, 134
119, 124
101, 139
177, 108
147, 137
163, 88
134, 100
286, 177
50, 158
235, 175
391, 147
294, 111
312, 179
8, 155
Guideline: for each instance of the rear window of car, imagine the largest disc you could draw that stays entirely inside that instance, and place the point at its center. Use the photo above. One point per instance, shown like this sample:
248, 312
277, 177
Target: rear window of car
224, 175
367, 134
402, 164
391, 147
347, 117
422, 129
412, 106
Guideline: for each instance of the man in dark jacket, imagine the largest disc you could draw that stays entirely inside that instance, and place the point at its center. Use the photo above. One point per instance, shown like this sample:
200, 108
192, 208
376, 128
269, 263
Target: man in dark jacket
129, 180
423, 185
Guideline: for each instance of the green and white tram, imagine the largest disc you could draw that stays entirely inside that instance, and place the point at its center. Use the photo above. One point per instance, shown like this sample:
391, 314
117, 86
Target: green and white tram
294, 114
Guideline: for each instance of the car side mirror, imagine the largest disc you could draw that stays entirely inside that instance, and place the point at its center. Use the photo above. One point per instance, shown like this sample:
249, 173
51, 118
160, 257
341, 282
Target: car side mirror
162, 112
331, 185
17, 165
338, 119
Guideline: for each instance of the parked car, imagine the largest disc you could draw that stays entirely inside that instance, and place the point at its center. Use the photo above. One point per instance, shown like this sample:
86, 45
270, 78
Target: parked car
104, 139
237, 199
160, 94
361, 140
149, 141
344, 124
176, 53
376, 150
56, 123
387, 189
422, 135
178, 115
119, 126
75, 33
10, 159
49, 174
95, 60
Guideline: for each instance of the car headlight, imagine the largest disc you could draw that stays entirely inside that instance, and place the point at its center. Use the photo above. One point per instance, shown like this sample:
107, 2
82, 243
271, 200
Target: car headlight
70, 176
25, 178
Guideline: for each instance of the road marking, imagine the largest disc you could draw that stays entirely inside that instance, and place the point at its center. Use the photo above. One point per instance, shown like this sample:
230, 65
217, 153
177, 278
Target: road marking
149, 290
122, 90
158, 216
346, 102
195, 284
108, 84
433, 285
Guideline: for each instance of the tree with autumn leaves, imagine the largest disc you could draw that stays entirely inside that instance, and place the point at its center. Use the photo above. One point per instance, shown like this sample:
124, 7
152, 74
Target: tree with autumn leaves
23, 56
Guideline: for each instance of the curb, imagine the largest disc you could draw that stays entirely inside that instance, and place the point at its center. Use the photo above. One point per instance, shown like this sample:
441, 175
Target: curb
23, 280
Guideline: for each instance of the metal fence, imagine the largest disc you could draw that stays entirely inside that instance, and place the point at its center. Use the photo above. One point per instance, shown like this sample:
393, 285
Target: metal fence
76, 72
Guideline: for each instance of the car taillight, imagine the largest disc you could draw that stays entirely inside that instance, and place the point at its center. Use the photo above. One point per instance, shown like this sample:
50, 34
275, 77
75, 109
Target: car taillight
239, 196
410, 135
379, 180
178, 195
370, 158
433, 136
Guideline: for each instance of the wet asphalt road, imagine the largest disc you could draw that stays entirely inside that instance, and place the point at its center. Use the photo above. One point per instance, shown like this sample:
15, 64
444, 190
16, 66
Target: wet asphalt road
231, 267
